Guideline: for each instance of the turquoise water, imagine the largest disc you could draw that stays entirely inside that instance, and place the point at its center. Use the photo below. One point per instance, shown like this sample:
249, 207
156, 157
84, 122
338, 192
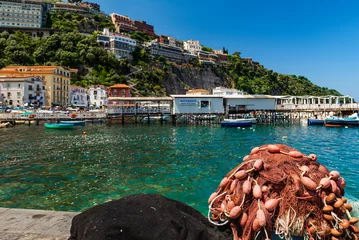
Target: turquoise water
62, 170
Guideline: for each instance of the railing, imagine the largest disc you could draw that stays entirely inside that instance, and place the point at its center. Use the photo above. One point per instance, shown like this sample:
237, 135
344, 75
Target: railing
138, 110
317, 106
35, 116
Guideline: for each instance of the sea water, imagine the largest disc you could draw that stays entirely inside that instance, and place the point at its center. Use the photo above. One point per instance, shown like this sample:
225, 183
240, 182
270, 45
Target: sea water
68, 170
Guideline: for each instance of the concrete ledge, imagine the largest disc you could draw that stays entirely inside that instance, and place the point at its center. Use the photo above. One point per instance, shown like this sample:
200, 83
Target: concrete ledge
25, 224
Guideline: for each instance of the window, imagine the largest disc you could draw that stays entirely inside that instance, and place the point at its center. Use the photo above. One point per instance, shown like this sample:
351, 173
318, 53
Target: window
9, 94
205, 104
19, 85
30, 87
18, 94
94, 92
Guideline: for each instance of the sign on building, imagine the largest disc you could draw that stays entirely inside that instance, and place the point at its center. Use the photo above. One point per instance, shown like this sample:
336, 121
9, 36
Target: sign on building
188, 102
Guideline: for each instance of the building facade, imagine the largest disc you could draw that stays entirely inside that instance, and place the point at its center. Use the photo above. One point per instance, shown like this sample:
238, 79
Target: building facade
97, 96
119, 90
142, 26
91, 6
21, 13
121, 46
64, 6
167, 51
19, 91
79, 96
207, 58
56, 80
226, 91
122, 23
170, 41
197, 92
192, 46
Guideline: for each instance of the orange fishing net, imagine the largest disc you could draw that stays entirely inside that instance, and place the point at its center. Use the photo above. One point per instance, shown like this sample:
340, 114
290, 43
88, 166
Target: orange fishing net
278, 189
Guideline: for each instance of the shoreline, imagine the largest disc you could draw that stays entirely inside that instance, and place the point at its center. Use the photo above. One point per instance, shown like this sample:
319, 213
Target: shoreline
32, 224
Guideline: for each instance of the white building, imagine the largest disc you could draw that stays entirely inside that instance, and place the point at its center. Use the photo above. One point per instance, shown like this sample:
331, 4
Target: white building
121, 46
236, 103
192, 46
79, 96
197, 104
97, 95
22, 91
227, 91
21, 13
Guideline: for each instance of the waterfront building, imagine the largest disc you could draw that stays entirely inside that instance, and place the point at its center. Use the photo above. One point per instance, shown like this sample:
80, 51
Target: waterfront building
56, 80
207, 58
197, 104
197, 92
21, 13
21, 91
167, 51
121, 46
119, 90
227, 91
122, 23
192, 46
142, 26
97, 96
79, 96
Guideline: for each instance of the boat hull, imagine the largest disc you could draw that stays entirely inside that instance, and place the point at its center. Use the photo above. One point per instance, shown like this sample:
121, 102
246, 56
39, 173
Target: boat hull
59, 126
316, 122
236, 124
253, 120
341, 122
75, 123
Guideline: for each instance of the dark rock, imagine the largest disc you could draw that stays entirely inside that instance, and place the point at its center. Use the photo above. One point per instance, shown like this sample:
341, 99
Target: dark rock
141, 217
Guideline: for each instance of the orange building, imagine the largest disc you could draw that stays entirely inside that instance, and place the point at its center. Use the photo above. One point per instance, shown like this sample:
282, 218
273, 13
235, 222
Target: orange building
197, 92
56, 80
119, 90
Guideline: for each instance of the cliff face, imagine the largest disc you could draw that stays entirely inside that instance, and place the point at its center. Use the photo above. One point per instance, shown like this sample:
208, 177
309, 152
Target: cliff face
181, 78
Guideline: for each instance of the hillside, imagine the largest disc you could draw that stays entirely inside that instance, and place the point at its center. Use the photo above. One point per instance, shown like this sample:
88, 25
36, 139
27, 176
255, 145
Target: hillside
158, 77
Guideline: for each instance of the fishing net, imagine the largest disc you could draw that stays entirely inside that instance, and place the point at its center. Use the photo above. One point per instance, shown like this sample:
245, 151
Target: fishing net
277, 189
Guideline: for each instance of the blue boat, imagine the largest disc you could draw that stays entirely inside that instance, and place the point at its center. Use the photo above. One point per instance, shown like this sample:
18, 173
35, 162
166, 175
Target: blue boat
76, 123
236, 124
59, 126
315, 121
352, 120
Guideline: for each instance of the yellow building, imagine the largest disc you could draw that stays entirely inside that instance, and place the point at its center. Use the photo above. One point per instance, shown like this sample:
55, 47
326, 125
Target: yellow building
56, 80
197, 92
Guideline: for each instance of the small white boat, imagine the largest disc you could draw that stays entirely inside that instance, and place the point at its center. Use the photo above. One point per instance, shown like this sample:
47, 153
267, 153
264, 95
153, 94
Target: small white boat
253, 120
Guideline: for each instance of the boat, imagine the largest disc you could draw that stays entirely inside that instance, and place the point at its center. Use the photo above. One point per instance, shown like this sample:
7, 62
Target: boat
236, 123
316, 121
59, 126
352, 120
75, 123
253, 120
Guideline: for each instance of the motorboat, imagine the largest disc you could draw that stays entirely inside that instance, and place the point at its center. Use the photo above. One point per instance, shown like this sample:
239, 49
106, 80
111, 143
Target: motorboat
236, 123
75, 123
59, 126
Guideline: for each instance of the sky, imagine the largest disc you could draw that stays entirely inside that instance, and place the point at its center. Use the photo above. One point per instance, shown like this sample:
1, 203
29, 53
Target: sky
312, 38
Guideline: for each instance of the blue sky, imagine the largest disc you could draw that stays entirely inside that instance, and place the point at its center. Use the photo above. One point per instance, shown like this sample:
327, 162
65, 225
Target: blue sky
316, 39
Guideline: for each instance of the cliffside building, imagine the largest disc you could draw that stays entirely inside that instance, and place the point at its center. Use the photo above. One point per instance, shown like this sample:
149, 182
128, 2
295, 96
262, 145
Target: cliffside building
167, 51
21, 91
142, 26
121, 46
207, 58
170, 41
192, 46
126, 24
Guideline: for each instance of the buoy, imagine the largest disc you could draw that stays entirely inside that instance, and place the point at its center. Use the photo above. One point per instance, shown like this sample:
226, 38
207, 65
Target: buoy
84, 133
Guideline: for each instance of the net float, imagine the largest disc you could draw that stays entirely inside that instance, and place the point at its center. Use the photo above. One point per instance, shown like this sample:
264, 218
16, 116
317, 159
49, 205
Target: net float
353, 228
223, 206
304, 169
255, 150
257, 191
344, 223
247, 187
264, 188
333, 186
235, 212
312, 230
243, 220
245, 158
234, 185
256, 227
230, 205
295, 154
271, 204
224, 182
240, 175
348, 207
323, 169
328, 209
335, 175
213, 195
335, 232
328, 217
330, 198
344, 199
261, 218
308, 183
324, 183
353, 220
258, 164
273, 148
338, 203
312, 157
341, 183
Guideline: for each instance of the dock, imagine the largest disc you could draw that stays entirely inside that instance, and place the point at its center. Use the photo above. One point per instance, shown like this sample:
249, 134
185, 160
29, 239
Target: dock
26, 224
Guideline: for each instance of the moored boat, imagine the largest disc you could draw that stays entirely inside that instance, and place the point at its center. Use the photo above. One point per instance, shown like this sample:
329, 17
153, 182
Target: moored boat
59, 126
352, 120
253, 120
75, 123
236, 124
315, 121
